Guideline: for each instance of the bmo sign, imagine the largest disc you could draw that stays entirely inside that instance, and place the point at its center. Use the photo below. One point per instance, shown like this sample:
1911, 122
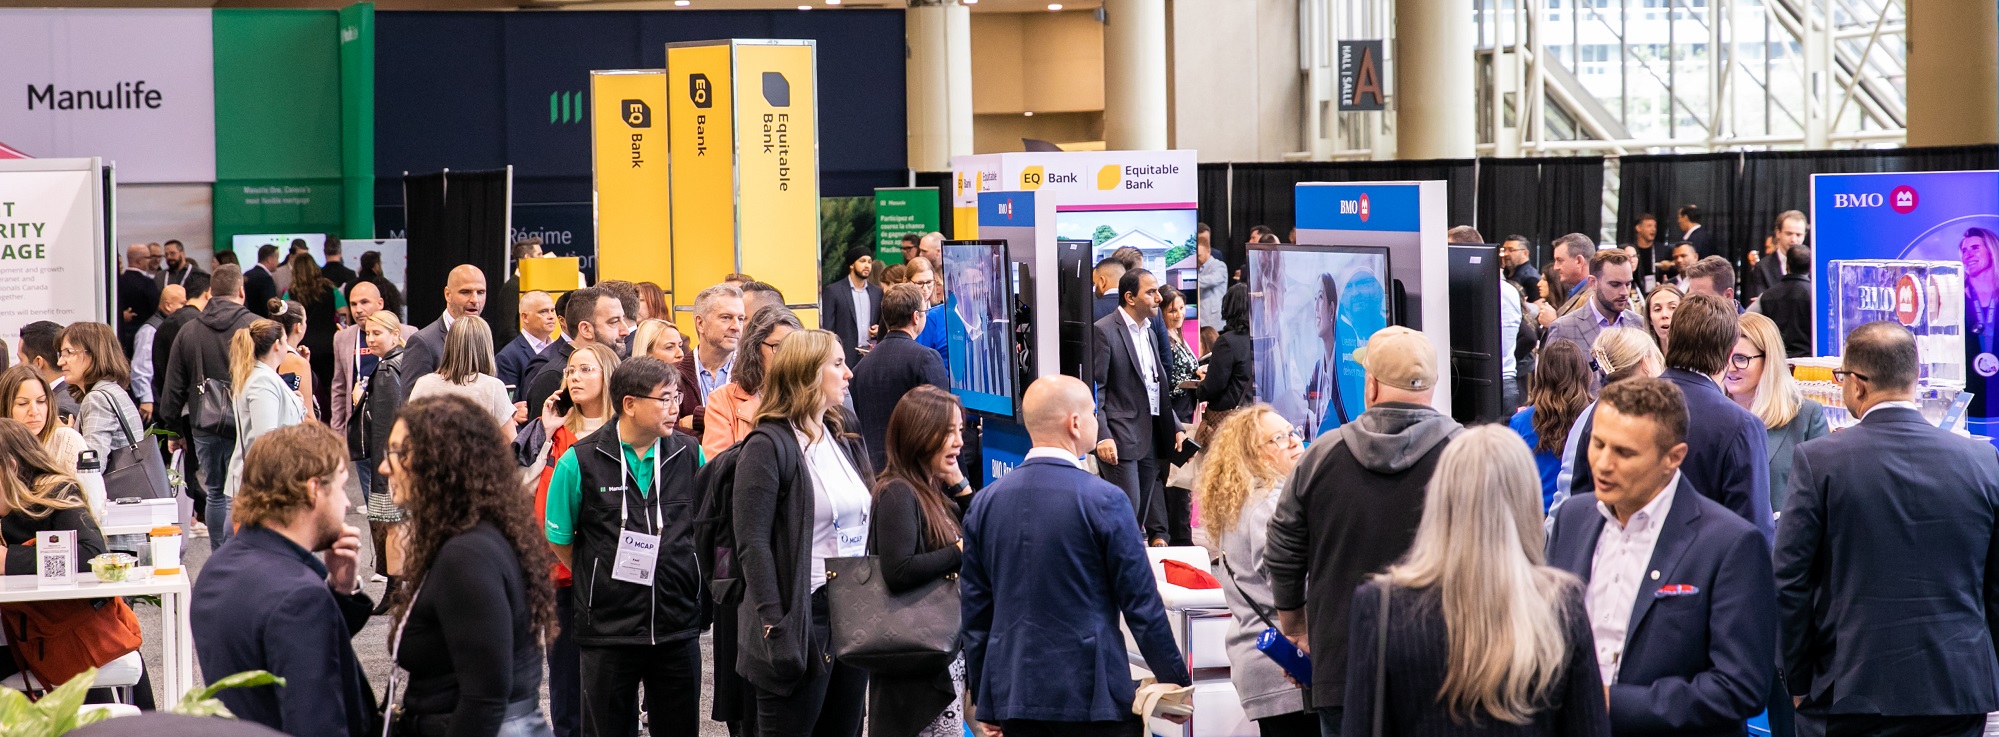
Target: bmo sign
1902, 200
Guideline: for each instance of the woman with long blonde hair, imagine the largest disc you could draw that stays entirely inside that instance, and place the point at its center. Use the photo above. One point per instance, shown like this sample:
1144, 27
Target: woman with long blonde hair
1759, 379
1248, 458
263, 402
1618, 354
467, 369
1482, 636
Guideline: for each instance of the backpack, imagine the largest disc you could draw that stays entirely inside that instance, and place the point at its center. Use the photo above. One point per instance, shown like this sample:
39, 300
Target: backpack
715, 525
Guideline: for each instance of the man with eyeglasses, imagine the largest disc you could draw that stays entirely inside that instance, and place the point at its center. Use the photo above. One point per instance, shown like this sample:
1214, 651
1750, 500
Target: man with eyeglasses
1608, 306
1518, 263
619, 504
1886, 561
592, 314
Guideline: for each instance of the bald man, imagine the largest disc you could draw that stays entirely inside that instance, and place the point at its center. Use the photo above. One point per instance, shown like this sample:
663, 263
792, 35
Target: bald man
172, 298
537, 315
353, 360
464, 294
1051, 562
138, 295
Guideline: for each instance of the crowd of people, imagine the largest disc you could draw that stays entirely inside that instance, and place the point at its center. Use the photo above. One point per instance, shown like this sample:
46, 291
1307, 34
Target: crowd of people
1646, 545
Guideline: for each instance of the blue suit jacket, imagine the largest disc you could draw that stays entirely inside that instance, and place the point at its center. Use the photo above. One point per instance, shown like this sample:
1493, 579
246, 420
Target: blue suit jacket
1727, 451
1887, 571
511, 365
1698, 663
1052, 559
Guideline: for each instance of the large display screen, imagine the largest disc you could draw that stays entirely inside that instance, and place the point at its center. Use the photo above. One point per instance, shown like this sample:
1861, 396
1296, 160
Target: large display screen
978, 327
1311, 307
1166, 237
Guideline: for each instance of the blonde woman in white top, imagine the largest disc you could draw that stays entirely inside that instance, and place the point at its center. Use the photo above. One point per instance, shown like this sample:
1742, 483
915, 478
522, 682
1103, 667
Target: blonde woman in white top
263, 401
467, 369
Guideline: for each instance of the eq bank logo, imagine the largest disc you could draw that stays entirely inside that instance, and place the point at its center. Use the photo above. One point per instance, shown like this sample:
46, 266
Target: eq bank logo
1359, 207
637, 113
700, 91
565, 108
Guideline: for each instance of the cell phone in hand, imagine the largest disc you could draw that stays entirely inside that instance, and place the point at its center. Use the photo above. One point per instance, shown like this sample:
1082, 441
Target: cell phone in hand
562, 402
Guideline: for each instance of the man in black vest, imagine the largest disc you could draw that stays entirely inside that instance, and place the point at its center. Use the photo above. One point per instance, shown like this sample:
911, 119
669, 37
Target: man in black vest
1351, 506
621, 516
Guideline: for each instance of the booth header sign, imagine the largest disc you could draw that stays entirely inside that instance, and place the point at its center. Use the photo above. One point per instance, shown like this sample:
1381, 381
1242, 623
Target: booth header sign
1392, 208
133, 87
1360, 76
1155, 179
51, 251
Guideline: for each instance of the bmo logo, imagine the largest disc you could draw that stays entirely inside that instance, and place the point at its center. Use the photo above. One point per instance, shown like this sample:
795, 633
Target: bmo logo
1359, 207
1902, 200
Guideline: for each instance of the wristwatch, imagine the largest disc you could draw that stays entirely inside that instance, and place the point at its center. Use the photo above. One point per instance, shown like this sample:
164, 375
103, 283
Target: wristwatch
957, 488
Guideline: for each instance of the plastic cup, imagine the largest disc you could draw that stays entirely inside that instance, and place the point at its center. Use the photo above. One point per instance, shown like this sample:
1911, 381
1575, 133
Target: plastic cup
166, 550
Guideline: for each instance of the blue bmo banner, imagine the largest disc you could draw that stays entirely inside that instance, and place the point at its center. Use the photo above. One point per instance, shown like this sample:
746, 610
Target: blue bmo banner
1936, 216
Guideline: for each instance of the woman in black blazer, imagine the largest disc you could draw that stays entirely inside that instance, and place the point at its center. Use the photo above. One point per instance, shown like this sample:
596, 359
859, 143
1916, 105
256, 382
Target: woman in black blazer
1226, 383
471, 625
801, 496
1472, 587
919, 503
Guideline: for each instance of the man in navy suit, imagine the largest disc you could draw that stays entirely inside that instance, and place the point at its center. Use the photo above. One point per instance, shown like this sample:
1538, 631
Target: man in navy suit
538, 331
258, 284
1051, 562
1105, 278
1887, 571
852, 306
1727, 459
464, 294
1136, 423
896, 365
1678, 587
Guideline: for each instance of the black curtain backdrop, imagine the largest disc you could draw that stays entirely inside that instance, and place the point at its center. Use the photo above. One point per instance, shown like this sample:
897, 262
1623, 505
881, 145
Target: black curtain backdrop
454, 217
1660, 184
1541, 199
942, 181
1213, 191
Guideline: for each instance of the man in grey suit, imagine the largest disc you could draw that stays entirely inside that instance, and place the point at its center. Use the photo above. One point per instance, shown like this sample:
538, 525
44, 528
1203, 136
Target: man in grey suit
1608, 305
1136, 425
464, 294
1887, 568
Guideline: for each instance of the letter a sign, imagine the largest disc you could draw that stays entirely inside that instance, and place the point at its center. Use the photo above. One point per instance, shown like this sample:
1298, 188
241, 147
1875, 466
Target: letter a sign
1360, 76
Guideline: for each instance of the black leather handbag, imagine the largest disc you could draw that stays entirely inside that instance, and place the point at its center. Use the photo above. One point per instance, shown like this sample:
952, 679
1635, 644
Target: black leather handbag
135, 471
913, 632
214, 410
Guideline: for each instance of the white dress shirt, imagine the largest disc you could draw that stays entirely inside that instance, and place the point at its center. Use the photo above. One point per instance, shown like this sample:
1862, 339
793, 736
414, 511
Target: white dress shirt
1148, 360
1622, 562
1043, 451
1883, 405
537, 345
864, 316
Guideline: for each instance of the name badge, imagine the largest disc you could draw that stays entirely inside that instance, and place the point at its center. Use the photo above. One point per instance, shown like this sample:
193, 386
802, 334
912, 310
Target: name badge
638, 555
853, 541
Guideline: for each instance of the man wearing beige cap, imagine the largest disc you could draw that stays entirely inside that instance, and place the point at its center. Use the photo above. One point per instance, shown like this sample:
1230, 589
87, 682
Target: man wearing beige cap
1351, 507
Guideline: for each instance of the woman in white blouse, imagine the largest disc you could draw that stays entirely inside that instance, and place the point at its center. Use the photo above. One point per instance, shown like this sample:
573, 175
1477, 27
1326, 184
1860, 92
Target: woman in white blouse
467, 370
263, 401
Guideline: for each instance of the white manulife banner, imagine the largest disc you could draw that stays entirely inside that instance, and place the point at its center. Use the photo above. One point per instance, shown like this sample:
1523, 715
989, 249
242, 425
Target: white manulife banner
51, 258
135, 87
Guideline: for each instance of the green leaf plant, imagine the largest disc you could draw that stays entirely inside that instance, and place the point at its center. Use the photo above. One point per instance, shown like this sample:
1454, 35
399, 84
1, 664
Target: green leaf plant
63, 710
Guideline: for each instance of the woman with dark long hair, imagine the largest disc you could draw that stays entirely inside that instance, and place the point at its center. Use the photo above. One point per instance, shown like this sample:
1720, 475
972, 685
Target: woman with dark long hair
478, 607
323, 300
730, 411
1559, 394
1225, 381
98, 377
920, 499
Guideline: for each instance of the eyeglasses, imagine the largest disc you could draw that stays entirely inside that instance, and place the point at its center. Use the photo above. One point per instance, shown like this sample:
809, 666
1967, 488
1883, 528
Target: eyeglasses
1741, 361
585, 369
1286, 437
398, 452
67, 352
670, 398
1839, 375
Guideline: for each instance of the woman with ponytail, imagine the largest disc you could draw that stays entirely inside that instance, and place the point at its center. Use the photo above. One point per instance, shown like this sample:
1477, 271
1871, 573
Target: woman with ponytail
296, 365
263, 401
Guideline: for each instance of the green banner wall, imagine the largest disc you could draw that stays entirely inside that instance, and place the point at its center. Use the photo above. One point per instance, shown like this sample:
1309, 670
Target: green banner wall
357, 120
285, 123
900, 210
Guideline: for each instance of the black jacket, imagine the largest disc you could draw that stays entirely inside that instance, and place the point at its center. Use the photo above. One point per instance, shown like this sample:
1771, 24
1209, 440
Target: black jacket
836, 302
1231, 369
611, 612
773, 515
543, 375
1789, 304
163, 344
258, 287
19, 531
896, 365
200, 352
139, 293
902, 705
469, 643
338, 273
375, 415
262, 603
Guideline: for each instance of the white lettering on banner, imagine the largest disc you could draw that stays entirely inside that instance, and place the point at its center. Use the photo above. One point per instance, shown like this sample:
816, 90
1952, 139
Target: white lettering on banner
79, 82
1870, 199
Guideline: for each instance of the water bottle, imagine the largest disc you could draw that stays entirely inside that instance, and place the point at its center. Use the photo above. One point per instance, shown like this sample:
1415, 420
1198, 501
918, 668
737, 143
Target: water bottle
90, 474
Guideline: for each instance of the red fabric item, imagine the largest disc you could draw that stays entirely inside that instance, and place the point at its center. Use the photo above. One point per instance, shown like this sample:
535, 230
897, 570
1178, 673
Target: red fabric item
558, 445
1188, 577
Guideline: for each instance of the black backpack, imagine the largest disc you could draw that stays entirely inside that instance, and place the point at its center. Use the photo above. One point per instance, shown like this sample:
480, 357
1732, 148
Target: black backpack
715, 525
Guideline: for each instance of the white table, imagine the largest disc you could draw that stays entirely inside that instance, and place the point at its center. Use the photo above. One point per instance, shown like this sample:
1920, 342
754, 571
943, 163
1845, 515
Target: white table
177, 647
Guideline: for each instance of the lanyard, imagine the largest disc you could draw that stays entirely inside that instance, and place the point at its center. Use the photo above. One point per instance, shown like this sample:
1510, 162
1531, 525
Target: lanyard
625, 473
832, 498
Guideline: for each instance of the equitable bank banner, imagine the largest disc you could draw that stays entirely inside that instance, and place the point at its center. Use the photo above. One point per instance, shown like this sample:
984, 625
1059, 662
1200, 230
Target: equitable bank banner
134, 87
